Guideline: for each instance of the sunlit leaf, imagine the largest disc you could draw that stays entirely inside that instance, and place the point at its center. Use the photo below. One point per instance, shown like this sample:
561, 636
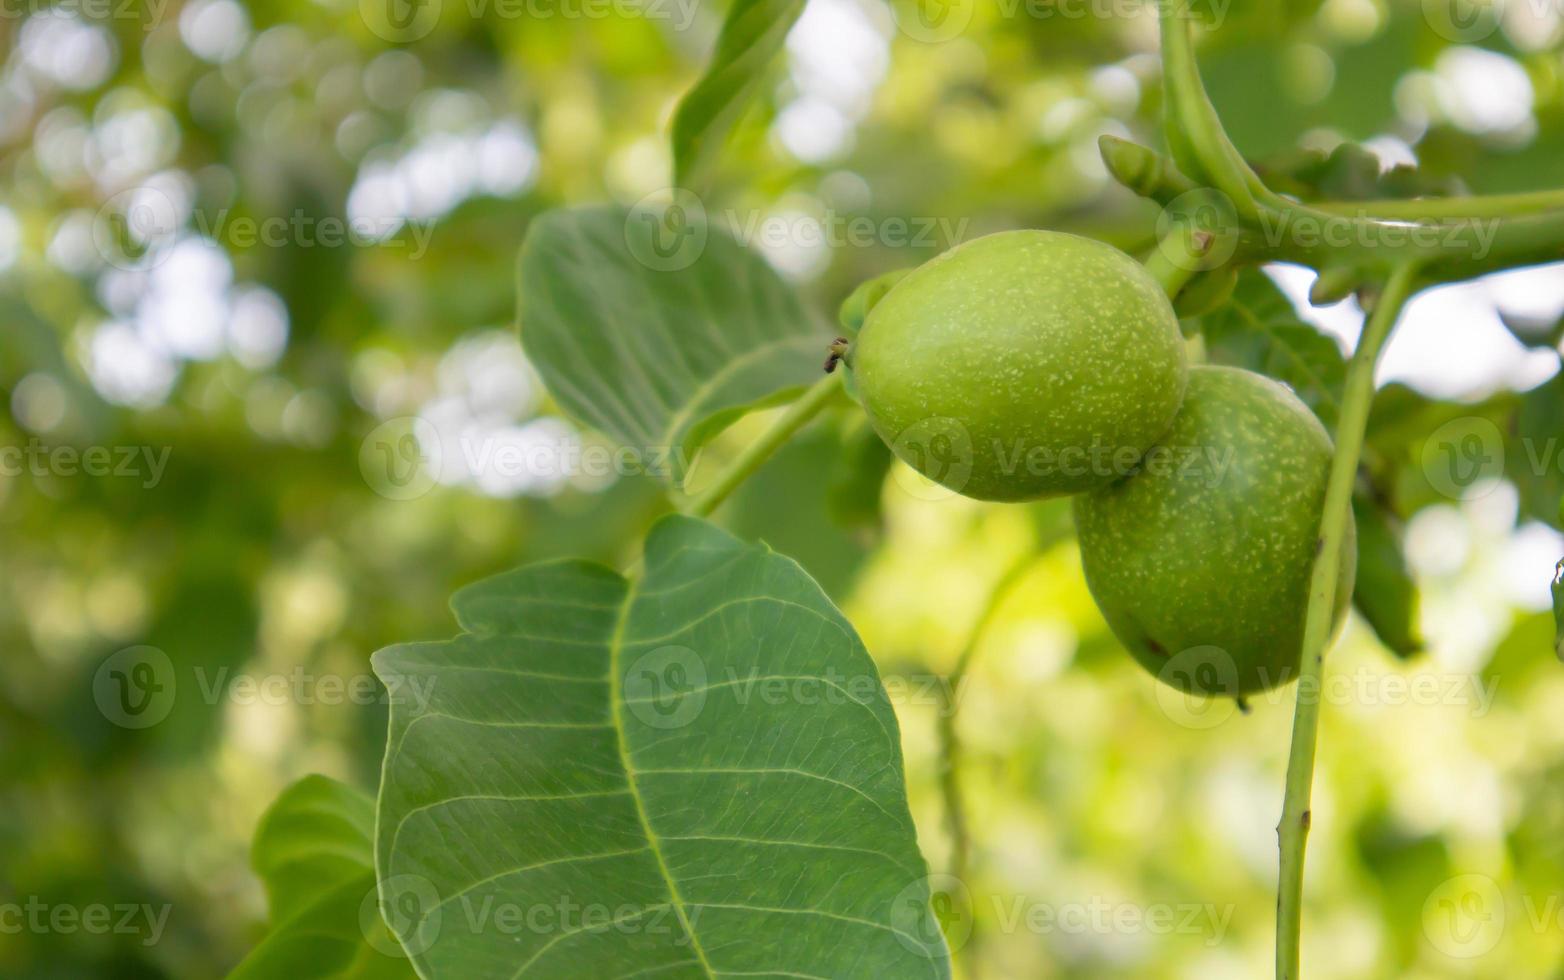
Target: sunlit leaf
660, 338
313, 851
695, 773
752, 34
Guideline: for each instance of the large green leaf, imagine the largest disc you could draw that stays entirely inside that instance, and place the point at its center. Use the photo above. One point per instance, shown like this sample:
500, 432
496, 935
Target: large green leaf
752, 34
1259, 330
660, 350
692, 774
313, 851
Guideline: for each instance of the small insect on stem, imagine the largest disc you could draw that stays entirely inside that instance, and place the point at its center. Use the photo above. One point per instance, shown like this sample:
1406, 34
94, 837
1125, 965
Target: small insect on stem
838, 350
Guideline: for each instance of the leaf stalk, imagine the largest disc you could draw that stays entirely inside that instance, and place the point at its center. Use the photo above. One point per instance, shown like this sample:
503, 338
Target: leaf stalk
1357, 397
795, 417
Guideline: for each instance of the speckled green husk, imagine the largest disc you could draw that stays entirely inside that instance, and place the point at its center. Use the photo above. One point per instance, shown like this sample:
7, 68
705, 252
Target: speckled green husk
1047, 362
1215, 548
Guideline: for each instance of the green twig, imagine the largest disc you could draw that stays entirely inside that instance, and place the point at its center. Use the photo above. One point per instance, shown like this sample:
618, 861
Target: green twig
1152, 175
1427, 209
1458, 241
950, 742
1358, 394
797, 415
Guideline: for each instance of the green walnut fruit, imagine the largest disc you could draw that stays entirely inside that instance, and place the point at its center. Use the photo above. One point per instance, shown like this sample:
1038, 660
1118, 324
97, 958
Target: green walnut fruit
1201, 560
1021, 365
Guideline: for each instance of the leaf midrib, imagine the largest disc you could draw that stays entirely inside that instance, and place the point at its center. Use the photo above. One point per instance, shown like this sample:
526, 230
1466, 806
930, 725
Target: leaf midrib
616, 701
